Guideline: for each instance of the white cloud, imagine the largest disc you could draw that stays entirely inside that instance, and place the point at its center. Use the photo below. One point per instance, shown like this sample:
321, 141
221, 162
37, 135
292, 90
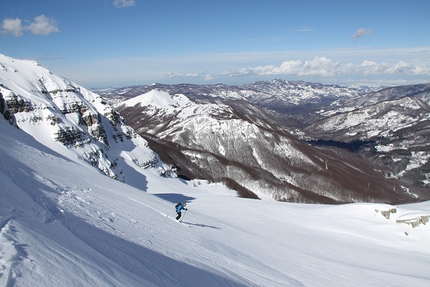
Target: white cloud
291, 67
40, 26
360, 32
404, 68
43, 26
204, 75
325, 67
286, 68
421, 71
371, 68
400, 67
182, 75
123, 3
320, 66
208, 77
12, 26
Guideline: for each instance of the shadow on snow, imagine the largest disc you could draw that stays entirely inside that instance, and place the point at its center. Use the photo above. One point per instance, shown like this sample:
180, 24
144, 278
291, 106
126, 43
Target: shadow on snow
201, 225
174, 197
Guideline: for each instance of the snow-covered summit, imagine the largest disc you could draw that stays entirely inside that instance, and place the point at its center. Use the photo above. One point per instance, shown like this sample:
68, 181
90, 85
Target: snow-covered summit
159, 99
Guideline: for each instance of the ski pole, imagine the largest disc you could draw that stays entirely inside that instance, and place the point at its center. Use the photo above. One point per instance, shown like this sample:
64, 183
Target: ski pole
184, 215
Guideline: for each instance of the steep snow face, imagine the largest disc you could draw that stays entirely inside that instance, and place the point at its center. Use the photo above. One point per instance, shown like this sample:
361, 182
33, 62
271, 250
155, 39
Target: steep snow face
64, 224
70, 119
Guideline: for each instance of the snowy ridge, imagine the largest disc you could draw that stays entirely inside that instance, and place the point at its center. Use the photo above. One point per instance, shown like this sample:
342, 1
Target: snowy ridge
377, 120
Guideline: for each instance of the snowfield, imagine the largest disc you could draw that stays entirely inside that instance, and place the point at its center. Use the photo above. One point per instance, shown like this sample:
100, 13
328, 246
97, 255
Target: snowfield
64, 223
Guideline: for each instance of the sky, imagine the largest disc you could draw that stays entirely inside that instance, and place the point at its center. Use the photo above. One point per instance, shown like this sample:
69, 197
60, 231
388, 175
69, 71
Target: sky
103, 43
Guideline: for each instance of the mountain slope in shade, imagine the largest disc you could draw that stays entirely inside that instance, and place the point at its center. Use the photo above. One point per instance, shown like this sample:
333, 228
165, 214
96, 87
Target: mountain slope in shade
215, 140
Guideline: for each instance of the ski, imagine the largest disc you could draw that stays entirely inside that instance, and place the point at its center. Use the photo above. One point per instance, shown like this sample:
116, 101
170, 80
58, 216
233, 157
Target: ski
177, 221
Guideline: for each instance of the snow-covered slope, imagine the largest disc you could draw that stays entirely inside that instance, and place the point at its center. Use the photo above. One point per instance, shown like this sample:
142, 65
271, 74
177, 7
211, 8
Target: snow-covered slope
381, 120
71, 120
66, 224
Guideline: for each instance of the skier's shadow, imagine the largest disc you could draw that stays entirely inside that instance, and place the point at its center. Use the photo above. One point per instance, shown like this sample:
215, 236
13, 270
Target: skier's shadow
174, 197
201, 225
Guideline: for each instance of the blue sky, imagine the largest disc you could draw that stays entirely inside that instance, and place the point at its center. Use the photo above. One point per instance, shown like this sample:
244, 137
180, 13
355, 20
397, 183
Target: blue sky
100, 43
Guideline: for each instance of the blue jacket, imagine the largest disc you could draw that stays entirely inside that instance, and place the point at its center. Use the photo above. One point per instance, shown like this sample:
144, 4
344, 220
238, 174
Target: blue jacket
180, 207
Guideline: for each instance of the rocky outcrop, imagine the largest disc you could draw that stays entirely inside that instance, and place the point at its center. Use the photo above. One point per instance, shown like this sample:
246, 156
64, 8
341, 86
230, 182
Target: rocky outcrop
18, 104
70, 136
415, 222
6, 112
412, 220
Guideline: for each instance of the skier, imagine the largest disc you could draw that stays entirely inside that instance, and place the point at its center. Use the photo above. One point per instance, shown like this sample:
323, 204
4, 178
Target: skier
179, 207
